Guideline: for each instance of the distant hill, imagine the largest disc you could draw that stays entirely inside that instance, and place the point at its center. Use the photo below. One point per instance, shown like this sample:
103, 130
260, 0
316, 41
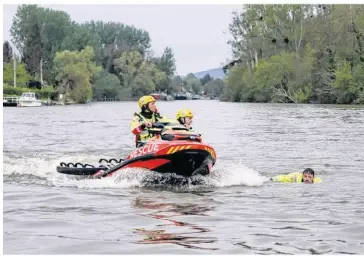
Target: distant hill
214, 73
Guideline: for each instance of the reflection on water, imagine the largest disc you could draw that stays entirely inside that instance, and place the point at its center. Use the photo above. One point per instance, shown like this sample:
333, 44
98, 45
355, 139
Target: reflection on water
168, 212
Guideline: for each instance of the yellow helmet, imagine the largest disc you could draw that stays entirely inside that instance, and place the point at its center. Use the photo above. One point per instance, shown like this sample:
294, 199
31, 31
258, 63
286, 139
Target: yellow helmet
185, 112
145, 100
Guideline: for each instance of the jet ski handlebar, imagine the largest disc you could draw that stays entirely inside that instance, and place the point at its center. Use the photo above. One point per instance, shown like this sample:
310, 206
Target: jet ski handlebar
158, 125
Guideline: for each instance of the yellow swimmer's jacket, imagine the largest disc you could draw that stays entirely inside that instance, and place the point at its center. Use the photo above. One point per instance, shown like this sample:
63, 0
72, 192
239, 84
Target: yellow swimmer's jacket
293, 177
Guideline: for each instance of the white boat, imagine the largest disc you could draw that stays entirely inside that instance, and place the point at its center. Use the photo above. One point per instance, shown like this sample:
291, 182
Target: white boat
195, 97
29, 99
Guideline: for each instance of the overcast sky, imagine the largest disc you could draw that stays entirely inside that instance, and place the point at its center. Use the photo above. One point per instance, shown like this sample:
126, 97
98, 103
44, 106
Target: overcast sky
198, 34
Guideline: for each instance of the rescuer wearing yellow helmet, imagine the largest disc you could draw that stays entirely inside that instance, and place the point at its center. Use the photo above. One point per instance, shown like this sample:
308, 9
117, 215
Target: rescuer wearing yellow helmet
144, 119
184, 117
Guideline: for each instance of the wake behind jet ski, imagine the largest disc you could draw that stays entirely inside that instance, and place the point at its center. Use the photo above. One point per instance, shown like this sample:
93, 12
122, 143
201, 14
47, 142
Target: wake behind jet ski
175, 149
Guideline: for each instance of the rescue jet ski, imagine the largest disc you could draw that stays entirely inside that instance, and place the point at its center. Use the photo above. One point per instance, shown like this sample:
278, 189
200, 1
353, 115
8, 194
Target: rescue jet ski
174, 149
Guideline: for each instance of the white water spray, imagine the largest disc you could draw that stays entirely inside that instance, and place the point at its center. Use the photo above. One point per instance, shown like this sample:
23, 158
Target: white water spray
230, 175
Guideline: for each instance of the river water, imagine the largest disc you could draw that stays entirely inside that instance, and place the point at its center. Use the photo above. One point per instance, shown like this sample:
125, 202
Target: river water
236, 210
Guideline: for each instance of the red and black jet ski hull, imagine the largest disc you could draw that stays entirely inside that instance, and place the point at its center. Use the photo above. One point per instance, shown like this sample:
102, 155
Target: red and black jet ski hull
176, 150
183, 158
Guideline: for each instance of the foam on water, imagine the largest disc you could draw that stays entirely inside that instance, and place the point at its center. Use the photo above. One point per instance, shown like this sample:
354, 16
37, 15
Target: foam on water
236, 174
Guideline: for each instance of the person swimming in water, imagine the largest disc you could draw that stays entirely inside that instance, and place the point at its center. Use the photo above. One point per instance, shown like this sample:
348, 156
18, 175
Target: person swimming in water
307, 176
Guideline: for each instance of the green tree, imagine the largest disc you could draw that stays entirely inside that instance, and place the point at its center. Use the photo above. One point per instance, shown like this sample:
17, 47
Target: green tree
207, 78
296, 53
345, 85
26, 34
41, 33
74, 71
193, 83
214, 88
7, 52
176, 84
136, 73
106, 85
358, 76
38, 34
167, 62
111, 39
22, 76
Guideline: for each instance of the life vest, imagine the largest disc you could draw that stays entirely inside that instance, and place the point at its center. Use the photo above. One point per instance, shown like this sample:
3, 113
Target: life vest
294, 177
145, 135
